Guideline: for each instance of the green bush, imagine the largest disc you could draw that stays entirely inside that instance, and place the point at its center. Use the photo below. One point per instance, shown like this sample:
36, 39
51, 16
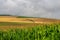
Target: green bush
42, 32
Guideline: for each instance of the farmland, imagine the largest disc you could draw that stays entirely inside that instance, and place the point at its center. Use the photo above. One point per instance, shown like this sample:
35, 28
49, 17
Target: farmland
38, 32
16, 28
26, 20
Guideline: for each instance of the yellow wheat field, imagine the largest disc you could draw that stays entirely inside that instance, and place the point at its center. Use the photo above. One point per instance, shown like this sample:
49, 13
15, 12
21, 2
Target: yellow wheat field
26, 20
32, 21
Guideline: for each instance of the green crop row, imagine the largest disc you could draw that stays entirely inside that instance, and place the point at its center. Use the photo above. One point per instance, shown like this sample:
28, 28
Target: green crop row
40, 32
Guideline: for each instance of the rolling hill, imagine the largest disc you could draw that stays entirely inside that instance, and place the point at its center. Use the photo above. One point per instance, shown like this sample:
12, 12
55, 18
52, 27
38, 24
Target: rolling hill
12, 22
26, 19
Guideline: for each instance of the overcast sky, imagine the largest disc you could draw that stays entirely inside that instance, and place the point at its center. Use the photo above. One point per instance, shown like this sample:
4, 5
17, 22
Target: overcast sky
35, 8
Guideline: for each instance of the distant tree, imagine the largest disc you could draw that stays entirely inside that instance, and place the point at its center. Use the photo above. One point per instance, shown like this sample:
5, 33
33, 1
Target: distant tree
5, 15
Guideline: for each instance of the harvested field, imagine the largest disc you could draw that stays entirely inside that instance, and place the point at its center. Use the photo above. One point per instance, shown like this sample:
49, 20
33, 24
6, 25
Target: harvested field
26, 20
11, 22
13, 25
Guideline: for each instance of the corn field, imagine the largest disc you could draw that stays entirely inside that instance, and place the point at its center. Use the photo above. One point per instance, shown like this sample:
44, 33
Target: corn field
38, 32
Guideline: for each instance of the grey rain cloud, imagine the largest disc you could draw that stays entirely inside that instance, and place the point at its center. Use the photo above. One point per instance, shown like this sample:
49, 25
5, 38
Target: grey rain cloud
34, 8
